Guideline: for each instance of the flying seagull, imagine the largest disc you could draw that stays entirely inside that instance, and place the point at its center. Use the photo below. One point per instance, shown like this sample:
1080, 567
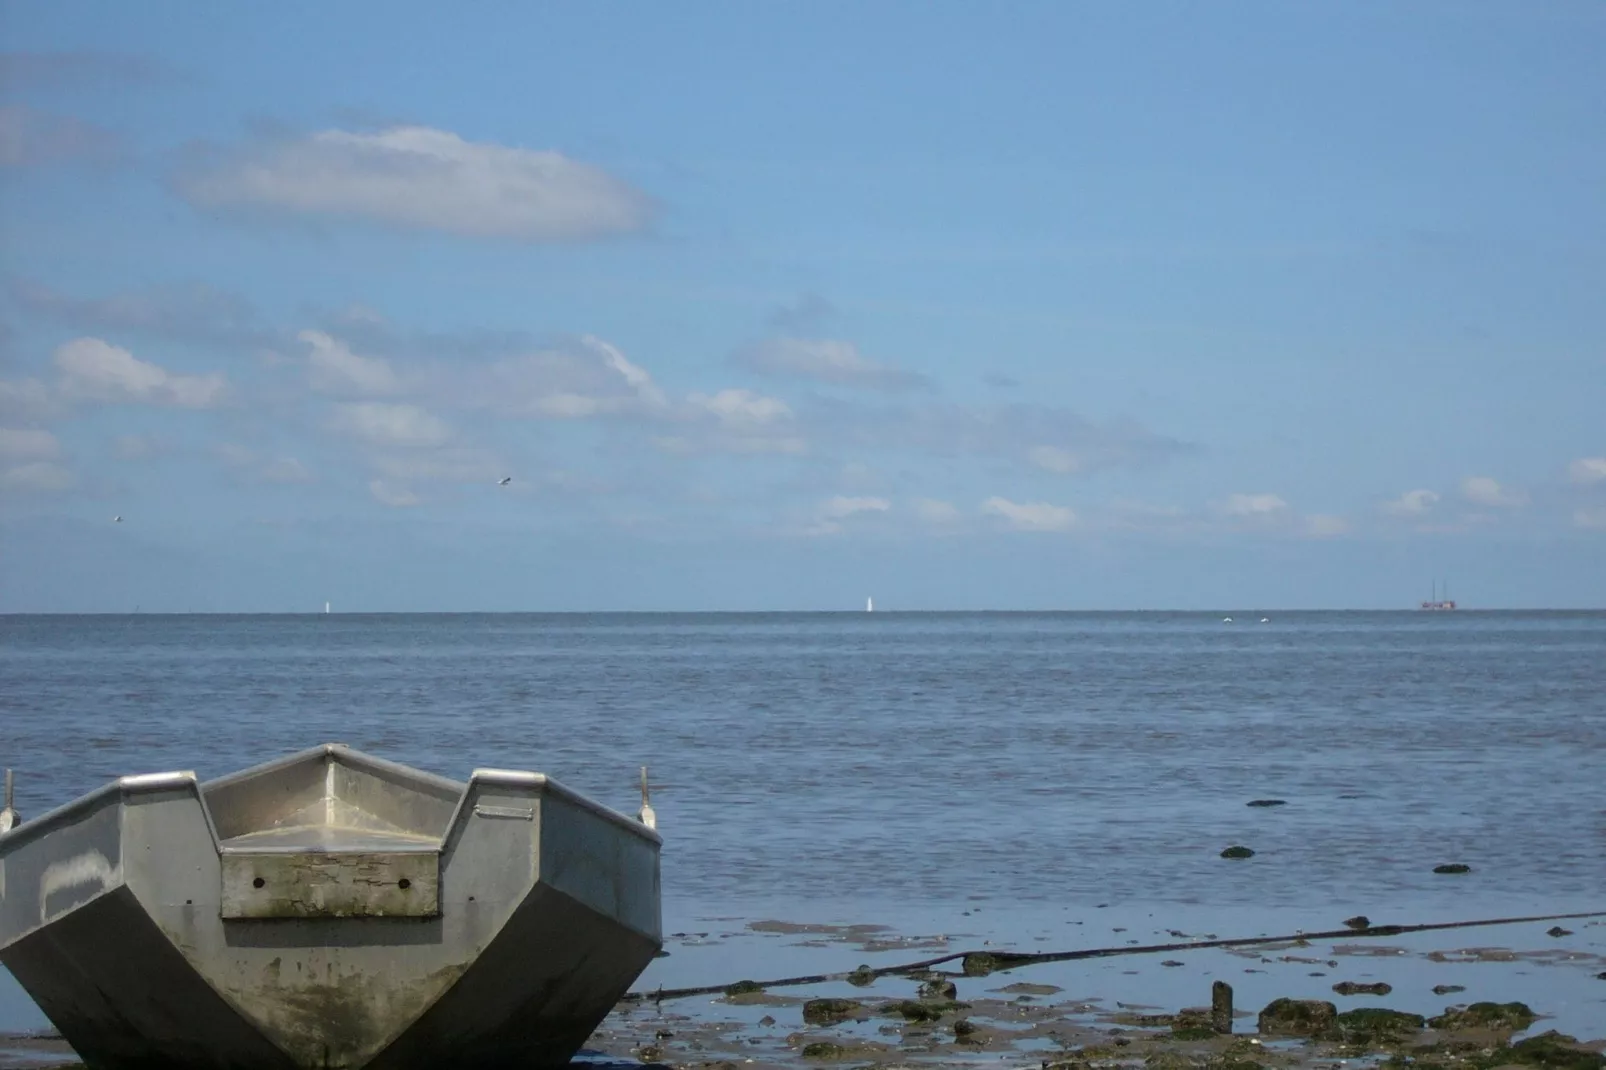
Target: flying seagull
117, 520
504, 481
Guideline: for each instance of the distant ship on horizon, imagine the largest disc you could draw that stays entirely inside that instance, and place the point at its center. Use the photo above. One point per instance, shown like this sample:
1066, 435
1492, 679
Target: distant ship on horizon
1437, 603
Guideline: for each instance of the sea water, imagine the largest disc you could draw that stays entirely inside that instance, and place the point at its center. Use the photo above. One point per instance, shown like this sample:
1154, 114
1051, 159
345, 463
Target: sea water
1000, 775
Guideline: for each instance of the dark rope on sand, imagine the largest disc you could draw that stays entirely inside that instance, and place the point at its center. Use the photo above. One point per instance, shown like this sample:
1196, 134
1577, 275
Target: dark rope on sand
981, 963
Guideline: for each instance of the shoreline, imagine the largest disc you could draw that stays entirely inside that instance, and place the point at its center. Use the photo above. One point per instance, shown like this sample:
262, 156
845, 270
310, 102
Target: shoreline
1086, 1013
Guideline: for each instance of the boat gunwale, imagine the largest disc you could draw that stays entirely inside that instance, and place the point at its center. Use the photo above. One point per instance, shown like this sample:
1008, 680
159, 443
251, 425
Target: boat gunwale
137, 784
150, 783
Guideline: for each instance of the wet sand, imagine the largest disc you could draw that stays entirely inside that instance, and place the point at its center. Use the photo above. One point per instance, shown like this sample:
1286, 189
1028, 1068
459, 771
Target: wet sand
1114, 1012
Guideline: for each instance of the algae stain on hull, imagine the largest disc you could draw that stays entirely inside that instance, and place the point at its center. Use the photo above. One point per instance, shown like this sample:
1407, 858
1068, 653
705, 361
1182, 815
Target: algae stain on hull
341, 1019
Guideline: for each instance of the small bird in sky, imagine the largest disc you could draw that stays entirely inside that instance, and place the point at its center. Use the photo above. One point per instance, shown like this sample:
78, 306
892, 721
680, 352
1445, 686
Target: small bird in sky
117, 520
504, 481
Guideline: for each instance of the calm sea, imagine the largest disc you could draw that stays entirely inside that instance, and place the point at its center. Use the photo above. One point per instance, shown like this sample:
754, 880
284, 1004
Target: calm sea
844, 764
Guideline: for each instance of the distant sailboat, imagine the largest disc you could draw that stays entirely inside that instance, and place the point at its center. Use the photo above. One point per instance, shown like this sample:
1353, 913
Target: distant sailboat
869, 605
1440, 602
326, 607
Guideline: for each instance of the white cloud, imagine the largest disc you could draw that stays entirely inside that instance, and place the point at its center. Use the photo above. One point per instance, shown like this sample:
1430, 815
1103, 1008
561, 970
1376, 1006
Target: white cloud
1030, 516
391, 494
421, 178
936, 511
839, 507
734, 421
98, 371
1588, 470
384, 424
1482, 490
1591, 518
829, 518
25, 444
578, 381
1325, 525
335, 369
37, 476
1254, 505
742, 408
1412, 503
827, 361
1055, 459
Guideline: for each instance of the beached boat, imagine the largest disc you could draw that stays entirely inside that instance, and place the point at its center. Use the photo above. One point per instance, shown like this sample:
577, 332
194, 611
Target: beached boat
329, 909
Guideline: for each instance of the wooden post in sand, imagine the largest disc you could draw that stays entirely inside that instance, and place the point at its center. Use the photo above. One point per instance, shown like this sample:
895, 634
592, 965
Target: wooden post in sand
1221, 1007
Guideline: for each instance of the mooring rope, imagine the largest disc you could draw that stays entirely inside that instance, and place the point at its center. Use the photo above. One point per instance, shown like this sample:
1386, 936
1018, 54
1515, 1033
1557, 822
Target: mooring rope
982, 962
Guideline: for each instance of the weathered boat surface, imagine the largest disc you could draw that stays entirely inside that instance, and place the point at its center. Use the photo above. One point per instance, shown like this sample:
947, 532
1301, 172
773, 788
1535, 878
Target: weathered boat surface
329, 909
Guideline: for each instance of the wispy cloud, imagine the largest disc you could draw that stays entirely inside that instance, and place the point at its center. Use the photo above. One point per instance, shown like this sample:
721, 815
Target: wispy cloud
27, 400
30, 138
1056, 459
1324, 525
334, 369
1413, 503
420, 178
379, 423
1254, 505
1588, 470
390, 494
249, 466
937, 512
39, 477
1592, 519
826, 361
1485, 491
1011, 430
139, 447
807, 313
1030, 516
189, 313
95, 370
830, 518
28, 444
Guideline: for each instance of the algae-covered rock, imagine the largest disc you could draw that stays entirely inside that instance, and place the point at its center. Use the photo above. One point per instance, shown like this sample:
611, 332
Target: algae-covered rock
1268, 802
911, 1010
1297, 1018
1358, 988
964, 1027
1512, 1016
830, 1011
1375, 1025
978, 964
937, 988
862, 977
744, 988
823, 1049
1445, 990
1558, 932
1557, 1051
1452, 867
1359, 921
1237, 851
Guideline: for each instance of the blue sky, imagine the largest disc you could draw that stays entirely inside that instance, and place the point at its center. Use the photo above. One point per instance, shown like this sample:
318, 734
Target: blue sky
778, 306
